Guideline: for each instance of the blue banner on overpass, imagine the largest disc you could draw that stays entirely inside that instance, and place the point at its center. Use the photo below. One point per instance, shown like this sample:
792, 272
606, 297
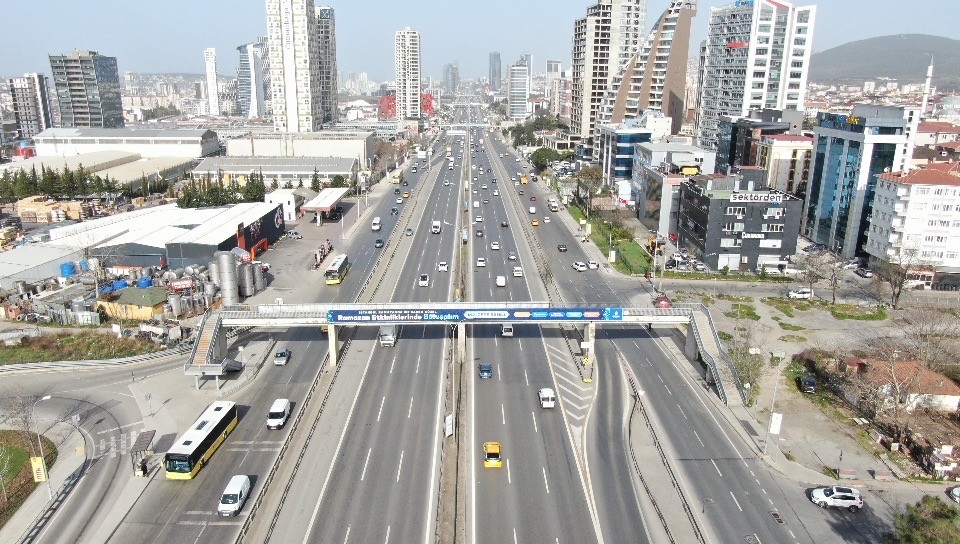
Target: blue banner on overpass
479, 315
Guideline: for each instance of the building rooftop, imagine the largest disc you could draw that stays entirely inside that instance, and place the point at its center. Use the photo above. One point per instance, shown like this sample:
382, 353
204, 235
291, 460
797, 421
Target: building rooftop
788, 138
669, 146
329, 134
122, 133
20, 259
276, 164
223, 223
913, 376
924, 177
145, 297
938, 127
134, 171
91, 162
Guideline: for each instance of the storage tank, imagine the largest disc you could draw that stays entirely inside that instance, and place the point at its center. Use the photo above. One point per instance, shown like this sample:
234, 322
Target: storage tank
229, 288
93, 263
209, 289
21, 287
84, 265
144, 282
214, 275
247, 287
76, 305
188, 270
258, 282
67, 269
174, 301
198, 301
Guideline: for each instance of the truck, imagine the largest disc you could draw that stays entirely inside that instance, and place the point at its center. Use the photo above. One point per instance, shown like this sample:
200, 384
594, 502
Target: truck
553, 205
387, 335
422, 154
435, 227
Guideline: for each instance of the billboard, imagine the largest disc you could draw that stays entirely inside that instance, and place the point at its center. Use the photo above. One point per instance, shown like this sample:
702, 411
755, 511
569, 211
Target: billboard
474, 315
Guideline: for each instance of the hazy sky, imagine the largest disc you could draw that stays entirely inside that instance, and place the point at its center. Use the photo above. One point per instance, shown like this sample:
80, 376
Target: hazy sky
170, 35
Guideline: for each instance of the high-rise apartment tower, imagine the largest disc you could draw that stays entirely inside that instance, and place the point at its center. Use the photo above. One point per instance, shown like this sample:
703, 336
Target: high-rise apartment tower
408, 70
88, 90
292, 40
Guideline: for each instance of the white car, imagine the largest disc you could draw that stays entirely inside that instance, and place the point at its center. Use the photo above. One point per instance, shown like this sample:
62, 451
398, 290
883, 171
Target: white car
479, 219
501, 281
802, 293
424, 280
481, 261
593, 265
399, 201
580, 266
511, 256
496, 192
837, 497
484, 187
495, 245
548, 399
446, 183
442, 266
517, 272
546, 219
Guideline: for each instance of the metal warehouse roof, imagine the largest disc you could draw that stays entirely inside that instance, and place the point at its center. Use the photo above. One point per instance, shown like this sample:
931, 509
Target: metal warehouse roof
92, 162
134, 171
25, 257
244, 165
224, 224
120, 133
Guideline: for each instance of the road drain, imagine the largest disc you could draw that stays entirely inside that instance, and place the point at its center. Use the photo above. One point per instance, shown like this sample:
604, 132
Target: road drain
778, 518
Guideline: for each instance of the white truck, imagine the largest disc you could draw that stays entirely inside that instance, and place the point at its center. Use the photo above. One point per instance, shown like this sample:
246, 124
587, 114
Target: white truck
388, 335
435, 227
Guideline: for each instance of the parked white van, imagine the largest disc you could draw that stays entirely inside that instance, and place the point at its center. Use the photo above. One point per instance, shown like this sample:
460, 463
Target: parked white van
234, 495
377, 223
278, 414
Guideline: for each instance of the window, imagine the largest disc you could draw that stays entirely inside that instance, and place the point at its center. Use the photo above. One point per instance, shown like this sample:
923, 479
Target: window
736, 210
774, 243
729, 242
771, 227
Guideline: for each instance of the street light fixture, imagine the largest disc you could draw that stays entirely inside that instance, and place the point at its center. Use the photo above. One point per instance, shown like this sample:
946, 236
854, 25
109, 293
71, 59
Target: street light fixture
43, 459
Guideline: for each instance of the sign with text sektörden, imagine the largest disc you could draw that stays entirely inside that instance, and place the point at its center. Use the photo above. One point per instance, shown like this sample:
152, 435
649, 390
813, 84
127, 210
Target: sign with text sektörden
467, 315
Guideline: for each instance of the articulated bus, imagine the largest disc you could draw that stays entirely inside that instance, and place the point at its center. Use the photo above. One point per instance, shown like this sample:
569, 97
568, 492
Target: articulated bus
195, 446
337, 269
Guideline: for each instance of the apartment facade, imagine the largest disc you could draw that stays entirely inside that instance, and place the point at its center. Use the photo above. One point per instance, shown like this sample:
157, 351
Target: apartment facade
213, 90
494, 76
253, 83
756, 56
327, 65
603, 43
656, 76
788, 162
739, 138
408, 71
518, 91
916, 218
30, 97
849, 152
451, 77
561, 97
87, 90
294, 57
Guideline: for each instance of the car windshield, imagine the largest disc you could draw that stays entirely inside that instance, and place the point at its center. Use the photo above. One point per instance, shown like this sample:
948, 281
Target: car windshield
281, 354
229, 498
275, 415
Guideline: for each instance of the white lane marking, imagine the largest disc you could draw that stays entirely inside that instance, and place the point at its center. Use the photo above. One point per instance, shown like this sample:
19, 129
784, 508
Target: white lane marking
514, 535
410, 408
661, 378
716, 467
503, 414
534, 416
668, 389
120, 427
498, 372
525, 378
509, 478
400, 466
363, 474
347, 538
417, 371
735, 501
764, 490
681, 412
202, 529
388, 535
698, 438
545, 482
791, 533
391, 371
380, 411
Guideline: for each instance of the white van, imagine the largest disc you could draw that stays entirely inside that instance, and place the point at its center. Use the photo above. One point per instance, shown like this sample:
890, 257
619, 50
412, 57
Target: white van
548, 399
376, 225
501, 281
533, 209
435, 227
476, 203
234, 495
506, 329
387, 335
278, 414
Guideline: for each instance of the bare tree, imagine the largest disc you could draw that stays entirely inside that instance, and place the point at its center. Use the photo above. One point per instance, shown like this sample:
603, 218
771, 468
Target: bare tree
812, 267
20, 407
746, 349
886, 387
832, 270
929, 331
897, 272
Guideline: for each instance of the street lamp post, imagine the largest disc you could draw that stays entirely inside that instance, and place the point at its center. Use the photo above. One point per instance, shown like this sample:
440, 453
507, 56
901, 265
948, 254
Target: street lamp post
43, 459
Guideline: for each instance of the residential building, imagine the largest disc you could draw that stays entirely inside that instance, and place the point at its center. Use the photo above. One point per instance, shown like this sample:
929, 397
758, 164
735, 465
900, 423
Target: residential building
518, 91
294, 55
31, 104
253, 82
915, 219
327, 65
730, 224
656, 76
494, 76
787, 160
659, 168
213, 90
849, 152
451, 77
88, 90
560, 93
528, 58
757, 56
931, 133
603, 43
408, 71
738, 138
615, 145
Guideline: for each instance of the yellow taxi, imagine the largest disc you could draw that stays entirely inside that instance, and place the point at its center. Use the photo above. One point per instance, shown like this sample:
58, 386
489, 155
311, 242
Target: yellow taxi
491, 455
535, 223
406, 194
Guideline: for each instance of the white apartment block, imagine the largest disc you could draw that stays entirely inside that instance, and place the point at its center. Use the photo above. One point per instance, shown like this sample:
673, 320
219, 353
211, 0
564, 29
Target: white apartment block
213, 92
603, 43
916, 218
757, 56
294, 60
518, 91
408, 70
327, 64
788, 160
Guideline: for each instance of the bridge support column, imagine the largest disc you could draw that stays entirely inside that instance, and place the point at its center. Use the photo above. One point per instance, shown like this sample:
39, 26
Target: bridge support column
589, 336
332, 339
690, 346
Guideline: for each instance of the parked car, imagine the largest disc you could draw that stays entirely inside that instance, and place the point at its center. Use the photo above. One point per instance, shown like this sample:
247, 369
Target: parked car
802, 293
837, 497
807, 384
864, 272
295, 235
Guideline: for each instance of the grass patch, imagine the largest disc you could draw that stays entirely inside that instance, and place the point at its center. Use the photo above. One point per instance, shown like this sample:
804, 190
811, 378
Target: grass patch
19, 477
724, 335
793, 338
794, 370
631, 258
743, 311
74, 347
861, 313
734, 298
831, 473
789, 456
780, 304
790, 327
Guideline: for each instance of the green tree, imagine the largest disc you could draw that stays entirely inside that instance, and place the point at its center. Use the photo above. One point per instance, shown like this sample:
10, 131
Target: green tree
254, 190
542, 157
338, 181
6, 185
930, 521
274, 185
49, 180
315, 181
21, 185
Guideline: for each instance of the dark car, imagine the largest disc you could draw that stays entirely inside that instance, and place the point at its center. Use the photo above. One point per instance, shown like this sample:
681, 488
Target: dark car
815, 247
480, 233
561, 247
394, 211
807, 384
378, 242
405, 183
486, 371
504, 224
396, 191
521, 192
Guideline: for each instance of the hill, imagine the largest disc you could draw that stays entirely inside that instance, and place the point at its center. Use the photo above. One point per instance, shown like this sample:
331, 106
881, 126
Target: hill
903, 57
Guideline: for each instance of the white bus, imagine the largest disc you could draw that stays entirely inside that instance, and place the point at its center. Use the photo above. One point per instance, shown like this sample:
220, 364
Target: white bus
198, 443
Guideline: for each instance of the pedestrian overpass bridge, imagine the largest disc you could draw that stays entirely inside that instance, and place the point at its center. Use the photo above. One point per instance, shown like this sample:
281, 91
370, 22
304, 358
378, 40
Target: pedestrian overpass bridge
702, 341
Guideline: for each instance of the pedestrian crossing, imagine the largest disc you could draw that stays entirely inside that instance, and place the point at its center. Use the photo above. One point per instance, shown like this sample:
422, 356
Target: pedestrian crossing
115, 445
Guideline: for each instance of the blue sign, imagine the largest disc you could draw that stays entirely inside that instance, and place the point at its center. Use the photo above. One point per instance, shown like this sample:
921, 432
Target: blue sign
476, 315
